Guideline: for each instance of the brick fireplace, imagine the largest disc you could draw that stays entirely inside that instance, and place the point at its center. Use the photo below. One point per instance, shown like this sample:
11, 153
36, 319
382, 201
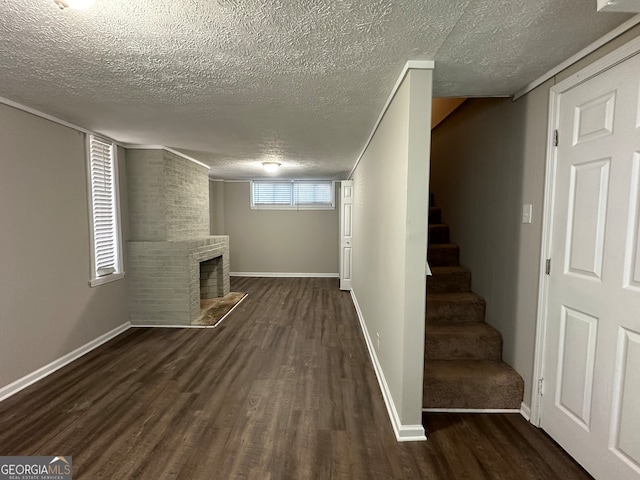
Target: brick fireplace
171, 249
211, 278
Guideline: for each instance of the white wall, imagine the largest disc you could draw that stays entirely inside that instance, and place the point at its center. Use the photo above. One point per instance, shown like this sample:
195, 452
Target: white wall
47, 308
390, 240
276, 241
488, 159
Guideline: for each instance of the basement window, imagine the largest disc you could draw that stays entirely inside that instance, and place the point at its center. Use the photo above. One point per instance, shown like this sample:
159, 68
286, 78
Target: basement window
293, 194
106, 245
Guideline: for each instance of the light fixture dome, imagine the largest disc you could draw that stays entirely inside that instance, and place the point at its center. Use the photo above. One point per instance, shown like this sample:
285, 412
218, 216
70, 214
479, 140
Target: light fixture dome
271, 166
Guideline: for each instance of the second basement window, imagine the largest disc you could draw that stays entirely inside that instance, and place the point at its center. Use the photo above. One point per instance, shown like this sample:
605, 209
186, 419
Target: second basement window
106, 245
293, 195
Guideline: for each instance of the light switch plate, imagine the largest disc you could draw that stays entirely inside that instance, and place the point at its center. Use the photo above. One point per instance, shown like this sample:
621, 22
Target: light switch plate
527, 211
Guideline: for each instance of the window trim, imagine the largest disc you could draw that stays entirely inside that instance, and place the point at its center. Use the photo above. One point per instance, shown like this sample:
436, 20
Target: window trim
293, 205
95, 279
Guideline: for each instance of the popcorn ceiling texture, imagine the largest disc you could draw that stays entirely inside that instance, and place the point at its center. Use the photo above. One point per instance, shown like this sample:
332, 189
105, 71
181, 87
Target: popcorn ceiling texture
237, 82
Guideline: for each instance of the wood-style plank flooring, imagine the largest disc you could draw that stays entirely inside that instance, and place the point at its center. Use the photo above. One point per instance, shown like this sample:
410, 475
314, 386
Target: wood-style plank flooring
283, 389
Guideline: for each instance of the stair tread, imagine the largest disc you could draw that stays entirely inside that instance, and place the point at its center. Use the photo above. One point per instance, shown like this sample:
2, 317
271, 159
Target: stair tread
438, 246
435, 215
445, 269
439, 234
467, 329
455, 308
449, 279
443, 254
454, 297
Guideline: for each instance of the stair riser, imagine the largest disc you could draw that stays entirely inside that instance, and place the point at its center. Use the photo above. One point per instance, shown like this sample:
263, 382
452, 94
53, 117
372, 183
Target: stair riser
455, 347
471, 384
449, 282
438, 234
474, 394
442, 257
448, 313
435, 215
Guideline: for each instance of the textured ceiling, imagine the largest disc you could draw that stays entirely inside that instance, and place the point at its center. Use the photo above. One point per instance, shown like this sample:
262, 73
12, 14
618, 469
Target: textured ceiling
236, 82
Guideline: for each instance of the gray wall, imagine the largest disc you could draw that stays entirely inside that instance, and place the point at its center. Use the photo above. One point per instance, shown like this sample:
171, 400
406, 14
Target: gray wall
216, 207
277, 241
169, 196
47, 308
390, 239
488, 159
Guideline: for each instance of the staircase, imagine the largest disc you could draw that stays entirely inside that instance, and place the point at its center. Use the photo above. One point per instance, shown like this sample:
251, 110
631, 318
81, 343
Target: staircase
463, 354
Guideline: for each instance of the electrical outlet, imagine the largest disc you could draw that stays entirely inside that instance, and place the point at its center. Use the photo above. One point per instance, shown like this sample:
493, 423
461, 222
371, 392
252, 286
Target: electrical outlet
378, 336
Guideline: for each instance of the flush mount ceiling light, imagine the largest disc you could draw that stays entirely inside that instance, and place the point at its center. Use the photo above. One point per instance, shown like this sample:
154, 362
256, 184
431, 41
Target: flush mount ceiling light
271, 166
77, 4
630, 6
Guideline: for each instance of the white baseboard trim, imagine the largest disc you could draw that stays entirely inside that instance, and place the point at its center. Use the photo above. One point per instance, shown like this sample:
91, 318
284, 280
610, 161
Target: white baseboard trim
284, 275
471, 410
404, 433
153, 325
525, 411
27, 380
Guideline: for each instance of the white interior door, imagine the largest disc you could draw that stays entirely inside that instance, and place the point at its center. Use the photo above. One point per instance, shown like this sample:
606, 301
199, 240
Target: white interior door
346, 233
591, 399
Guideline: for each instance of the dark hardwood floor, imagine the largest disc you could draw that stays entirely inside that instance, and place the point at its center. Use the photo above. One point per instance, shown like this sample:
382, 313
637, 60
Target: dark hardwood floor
284, 389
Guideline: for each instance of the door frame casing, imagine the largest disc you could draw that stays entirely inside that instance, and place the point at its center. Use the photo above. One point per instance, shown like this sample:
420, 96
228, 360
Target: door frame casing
622, 53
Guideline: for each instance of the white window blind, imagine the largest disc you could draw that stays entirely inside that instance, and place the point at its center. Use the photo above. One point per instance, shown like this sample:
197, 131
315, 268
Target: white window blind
105, 228
292, 194
313, 193
272, 193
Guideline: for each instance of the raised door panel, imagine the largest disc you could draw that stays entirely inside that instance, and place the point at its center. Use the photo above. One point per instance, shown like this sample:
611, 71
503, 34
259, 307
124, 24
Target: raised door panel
587, 218
632, 255
625, 435
594, 119
576, 361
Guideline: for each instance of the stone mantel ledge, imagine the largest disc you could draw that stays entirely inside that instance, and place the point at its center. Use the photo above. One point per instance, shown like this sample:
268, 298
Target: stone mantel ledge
180, 244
